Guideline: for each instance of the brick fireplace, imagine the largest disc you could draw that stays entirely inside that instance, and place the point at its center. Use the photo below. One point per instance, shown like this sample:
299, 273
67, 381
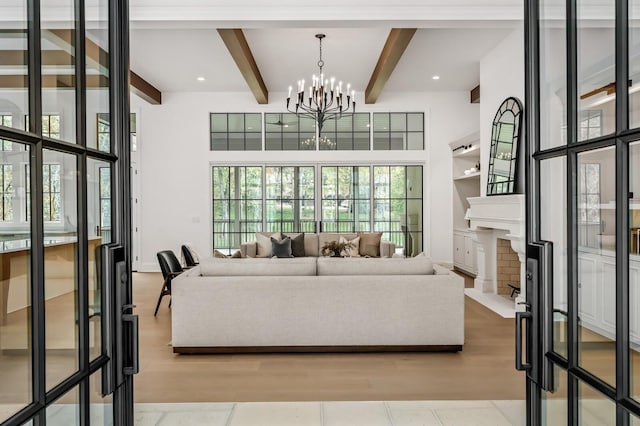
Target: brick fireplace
498, 226
507, 267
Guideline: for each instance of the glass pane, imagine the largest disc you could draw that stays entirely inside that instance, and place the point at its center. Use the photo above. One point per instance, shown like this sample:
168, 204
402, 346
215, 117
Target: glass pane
634, 268
361, 141
14, 99
60, 269
553, 227
66, 410
381, 122
594, 409
553, 69
253, 122
596, 69
381, 141
634, 63
554, 404
236, 141
398, 122
15, 285
415, 140
100, 408
253, 142
597, 262
58, 78
236, 122
219, 122
97, 72
99, 227
218, 141
397, 140
415, 122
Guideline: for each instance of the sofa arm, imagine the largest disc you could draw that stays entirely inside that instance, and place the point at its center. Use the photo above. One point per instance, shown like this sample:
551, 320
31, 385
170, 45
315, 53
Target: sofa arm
249, 249
387, 248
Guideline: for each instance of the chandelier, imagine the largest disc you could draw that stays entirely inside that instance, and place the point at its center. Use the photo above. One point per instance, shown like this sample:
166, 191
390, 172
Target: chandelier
323, 142
325, 100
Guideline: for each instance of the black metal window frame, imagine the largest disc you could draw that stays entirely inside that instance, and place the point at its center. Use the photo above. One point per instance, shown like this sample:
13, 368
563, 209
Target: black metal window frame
42, 395
221, 138
383, 131
620, 395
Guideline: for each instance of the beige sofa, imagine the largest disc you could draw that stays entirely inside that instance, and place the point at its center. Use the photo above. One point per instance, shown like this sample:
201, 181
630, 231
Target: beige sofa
314, 242
317, 304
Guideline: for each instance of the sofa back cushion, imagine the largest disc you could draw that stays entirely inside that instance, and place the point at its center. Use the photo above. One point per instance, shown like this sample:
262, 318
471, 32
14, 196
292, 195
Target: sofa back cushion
375, 266
298, 266
263, 240
370, 243
311, 245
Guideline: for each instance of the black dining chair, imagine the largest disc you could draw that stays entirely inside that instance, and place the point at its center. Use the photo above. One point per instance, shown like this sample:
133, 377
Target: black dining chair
189, 259
170, 267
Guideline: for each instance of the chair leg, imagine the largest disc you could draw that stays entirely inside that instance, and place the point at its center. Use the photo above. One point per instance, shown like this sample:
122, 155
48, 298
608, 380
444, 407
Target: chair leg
158, 305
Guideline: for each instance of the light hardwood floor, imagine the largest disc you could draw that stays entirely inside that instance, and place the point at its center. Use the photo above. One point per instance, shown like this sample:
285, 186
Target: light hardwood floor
484, 370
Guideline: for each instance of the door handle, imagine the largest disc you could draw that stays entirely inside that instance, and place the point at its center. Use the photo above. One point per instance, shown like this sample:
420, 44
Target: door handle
521, 366
135, 358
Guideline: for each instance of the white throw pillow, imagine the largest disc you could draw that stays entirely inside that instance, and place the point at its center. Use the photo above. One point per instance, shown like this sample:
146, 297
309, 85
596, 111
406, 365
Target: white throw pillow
353, 250
264, 243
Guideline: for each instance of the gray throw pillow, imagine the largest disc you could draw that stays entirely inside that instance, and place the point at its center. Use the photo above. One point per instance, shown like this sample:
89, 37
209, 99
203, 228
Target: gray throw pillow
297, 244
281, 248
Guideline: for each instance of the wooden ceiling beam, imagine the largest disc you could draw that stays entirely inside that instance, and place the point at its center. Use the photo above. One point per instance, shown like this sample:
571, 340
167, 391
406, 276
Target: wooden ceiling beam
19, 58
98, 58
50, 81
240, 51
474, 95
394, 47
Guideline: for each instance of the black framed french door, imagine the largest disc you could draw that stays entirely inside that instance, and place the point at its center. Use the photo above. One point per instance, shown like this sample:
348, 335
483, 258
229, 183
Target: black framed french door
68, 337
582, 317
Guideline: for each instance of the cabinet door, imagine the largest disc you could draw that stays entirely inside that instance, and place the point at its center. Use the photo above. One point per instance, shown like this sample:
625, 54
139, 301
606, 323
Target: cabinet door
458, 250
469, 254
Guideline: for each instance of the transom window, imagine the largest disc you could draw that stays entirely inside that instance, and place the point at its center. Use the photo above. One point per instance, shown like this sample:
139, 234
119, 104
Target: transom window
398, 130
236, 132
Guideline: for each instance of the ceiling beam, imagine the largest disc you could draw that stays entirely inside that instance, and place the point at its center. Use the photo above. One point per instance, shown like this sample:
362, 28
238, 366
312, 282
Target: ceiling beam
240, 51
50, 81
18, 58
474, 95
394, 47
99, 58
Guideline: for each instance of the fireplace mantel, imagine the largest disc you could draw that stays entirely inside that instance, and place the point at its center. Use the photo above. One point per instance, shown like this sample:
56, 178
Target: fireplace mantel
494, 217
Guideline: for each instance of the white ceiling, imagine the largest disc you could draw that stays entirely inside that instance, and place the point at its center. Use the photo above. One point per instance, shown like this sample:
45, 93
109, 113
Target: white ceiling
172, 50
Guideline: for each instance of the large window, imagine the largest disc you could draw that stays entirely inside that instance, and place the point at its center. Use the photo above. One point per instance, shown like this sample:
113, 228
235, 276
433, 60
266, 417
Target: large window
6, 120
290, 199
51, 193
6, 192
289, 132
236, 132
237, 205
398, 131
387, 199
50, 125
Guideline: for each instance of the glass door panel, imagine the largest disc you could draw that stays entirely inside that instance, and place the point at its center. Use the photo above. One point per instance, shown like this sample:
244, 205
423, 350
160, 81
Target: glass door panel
58, 77
597, 262
59, 193
15, 282
14, 97
634, 63
593, 408
634, 269
553, 227
66, 410
553, 75
554, 404
97, 74
596, 71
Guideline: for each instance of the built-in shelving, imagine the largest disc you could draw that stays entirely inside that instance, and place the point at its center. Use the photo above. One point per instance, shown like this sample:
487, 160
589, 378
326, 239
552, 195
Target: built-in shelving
466, 170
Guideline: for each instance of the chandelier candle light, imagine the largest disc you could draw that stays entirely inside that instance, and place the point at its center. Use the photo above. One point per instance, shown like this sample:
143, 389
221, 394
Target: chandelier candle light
326, 99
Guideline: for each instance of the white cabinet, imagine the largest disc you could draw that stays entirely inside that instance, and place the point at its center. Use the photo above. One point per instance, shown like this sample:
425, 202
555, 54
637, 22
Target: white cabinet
465, 167
464, 252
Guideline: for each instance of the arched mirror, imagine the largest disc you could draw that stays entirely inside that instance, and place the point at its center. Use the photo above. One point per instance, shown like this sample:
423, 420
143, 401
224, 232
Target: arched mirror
503, 155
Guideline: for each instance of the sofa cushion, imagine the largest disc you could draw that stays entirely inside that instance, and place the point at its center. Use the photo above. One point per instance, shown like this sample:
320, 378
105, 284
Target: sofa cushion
264, 243
297, 244
375, 266
311, 247
218, 254
281, 248
302, 266
352, 251
370, 243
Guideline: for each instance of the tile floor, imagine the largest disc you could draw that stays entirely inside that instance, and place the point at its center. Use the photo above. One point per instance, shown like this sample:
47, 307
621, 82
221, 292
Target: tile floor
393, 413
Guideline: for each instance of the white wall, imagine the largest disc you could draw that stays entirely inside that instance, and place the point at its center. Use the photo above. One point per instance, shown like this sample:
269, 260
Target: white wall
501, 76
174, 161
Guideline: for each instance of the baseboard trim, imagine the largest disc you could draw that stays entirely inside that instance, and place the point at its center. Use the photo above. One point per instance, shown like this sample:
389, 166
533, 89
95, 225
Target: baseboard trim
313, 349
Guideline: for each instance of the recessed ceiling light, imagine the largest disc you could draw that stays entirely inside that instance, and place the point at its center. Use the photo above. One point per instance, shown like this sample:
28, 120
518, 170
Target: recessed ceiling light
436, 77
200, 78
